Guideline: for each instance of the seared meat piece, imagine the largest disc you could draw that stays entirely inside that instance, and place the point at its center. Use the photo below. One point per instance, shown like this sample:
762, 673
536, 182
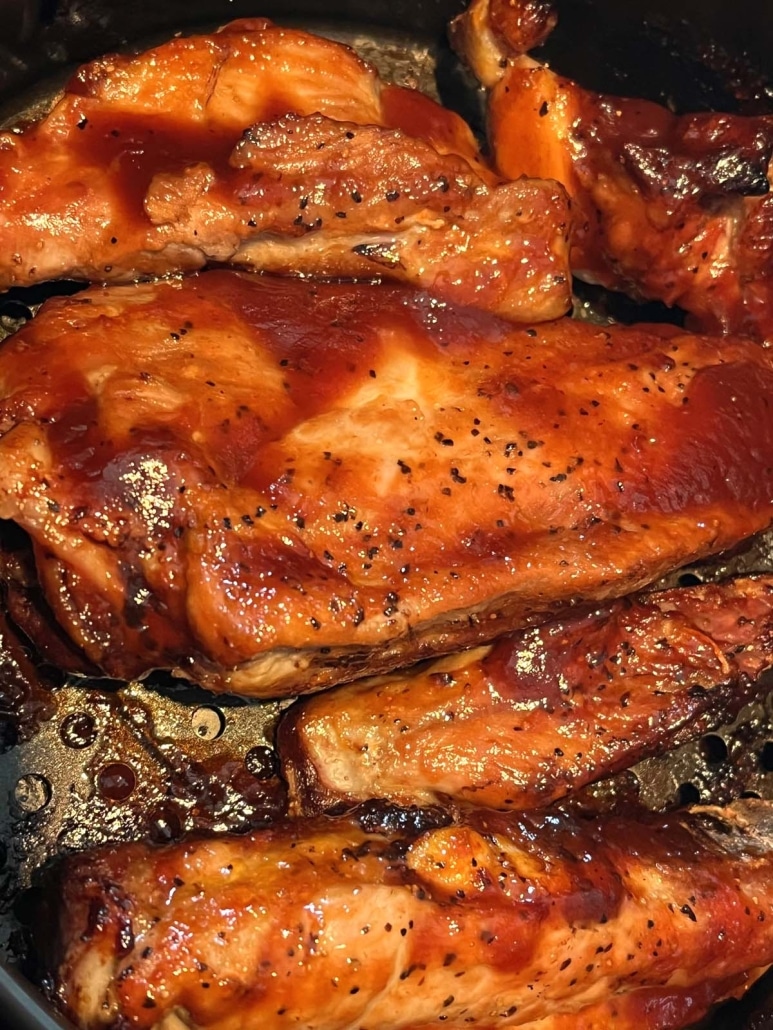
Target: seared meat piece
319, 196
499, 922
675, 208
184, 155
666, 207
541, 713
272, 485
491, 31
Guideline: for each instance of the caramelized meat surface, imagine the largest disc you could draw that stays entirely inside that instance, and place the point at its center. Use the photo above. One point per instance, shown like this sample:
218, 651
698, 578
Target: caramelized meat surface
332, 198
541, 713
667, 207
271, 148
271, 485
550, 922
491, 31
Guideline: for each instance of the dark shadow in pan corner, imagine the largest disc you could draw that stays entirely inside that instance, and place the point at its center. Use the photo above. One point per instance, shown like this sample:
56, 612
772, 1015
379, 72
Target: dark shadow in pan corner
689, 56
753, 1012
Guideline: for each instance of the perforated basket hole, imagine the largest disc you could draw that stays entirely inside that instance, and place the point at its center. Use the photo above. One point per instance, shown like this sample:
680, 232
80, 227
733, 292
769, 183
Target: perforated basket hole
31, 793
78, 730
208, 722
687, 794
689, 579
713, 749
165, 823
116, 781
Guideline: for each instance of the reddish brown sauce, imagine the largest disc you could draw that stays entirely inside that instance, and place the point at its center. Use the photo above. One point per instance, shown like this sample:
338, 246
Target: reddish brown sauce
116, 781
132, 149
417, 115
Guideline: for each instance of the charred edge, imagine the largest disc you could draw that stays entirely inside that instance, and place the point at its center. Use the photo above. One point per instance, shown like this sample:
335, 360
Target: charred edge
383, 254
380, 816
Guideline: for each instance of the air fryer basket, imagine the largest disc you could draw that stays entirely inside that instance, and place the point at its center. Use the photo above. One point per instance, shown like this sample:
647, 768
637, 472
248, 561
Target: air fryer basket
85, 762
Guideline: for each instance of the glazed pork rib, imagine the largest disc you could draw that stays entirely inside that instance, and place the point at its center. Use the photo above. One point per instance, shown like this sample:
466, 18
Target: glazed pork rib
271, 485
549, 922
538, 714
332, 198
271, 148
489, 32
667, 207
675, 208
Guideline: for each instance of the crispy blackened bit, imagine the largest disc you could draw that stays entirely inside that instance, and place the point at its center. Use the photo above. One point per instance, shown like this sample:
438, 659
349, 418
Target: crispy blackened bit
541, 713
497, 921
273, 485
26, 691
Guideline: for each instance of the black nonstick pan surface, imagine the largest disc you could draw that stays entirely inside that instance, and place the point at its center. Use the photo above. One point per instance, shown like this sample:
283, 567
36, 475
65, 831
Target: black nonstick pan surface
82, 763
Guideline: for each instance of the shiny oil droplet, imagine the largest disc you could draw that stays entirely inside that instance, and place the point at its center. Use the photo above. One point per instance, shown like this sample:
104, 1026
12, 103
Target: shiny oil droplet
261, 761
116, 781
32, 793
208, 722
78, 730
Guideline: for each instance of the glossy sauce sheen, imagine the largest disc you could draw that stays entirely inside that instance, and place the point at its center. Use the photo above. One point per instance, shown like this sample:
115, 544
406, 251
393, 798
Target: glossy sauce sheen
498, 921
665, 207
273, 485
490, 31
540, 713
141, 170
